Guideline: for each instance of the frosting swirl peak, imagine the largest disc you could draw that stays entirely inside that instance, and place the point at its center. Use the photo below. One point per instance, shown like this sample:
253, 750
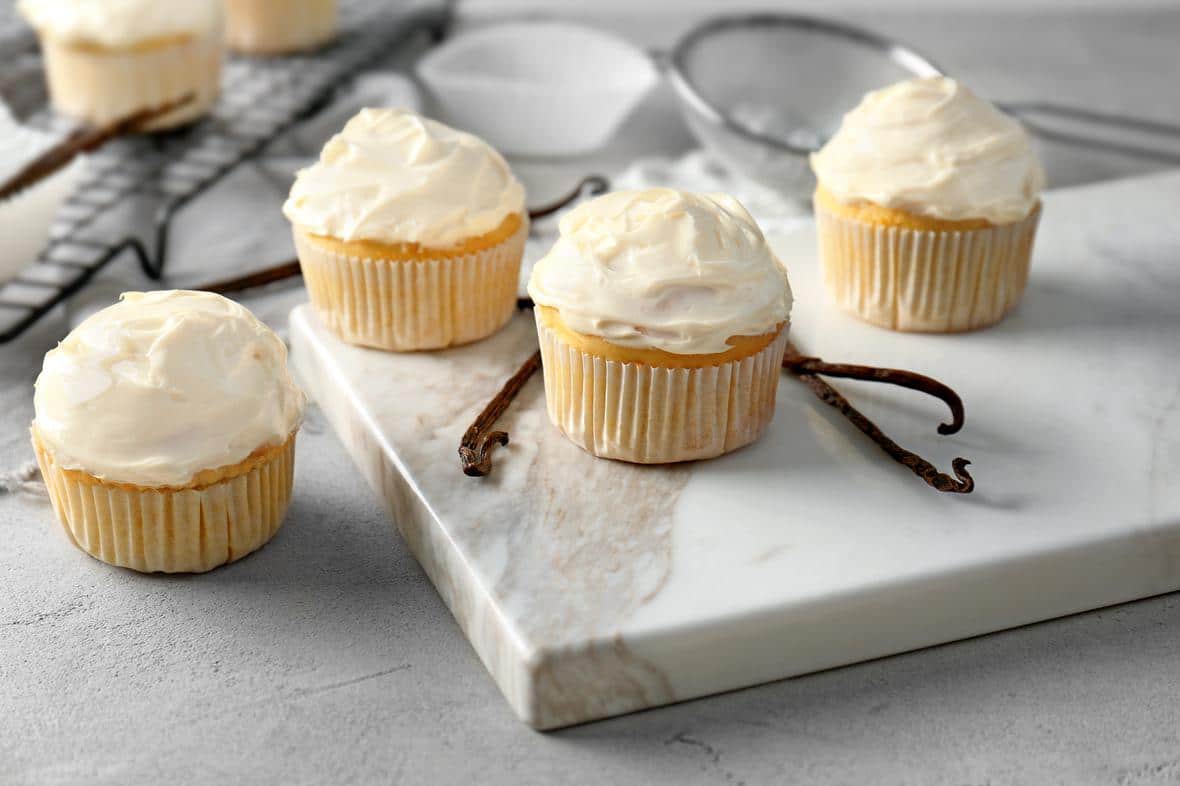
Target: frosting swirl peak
663, 269
931, 147
393, 176
162, 385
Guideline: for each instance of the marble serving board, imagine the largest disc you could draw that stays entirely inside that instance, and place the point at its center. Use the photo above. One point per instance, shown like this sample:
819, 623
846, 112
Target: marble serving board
591, 588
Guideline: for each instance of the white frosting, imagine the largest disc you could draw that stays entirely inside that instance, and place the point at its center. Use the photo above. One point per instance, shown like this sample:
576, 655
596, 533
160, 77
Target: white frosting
663, 269
121, 23
163, 385
393, 176
931, 147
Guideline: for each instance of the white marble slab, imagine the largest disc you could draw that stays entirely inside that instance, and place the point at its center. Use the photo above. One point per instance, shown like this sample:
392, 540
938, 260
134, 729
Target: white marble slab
591, 588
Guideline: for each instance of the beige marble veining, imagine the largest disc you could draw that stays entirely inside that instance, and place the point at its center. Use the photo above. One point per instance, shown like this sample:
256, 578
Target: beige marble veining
529, 526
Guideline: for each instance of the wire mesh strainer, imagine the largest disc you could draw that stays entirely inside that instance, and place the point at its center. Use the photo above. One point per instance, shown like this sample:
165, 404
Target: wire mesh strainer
762, 91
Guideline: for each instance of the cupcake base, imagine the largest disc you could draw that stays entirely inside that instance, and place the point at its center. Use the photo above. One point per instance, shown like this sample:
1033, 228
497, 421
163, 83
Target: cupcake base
649, 414
412, 302
227, 514
274, 27
100, 85
911, 278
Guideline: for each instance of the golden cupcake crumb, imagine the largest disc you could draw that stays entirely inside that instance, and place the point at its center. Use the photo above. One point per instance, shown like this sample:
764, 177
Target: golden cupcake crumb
742, 346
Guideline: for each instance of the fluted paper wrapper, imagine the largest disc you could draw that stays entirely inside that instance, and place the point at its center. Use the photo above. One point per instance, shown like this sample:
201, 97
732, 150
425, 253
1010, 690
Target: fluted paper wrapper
271, 27
652, 415
188, 530
411, 305
925, 280
101, 86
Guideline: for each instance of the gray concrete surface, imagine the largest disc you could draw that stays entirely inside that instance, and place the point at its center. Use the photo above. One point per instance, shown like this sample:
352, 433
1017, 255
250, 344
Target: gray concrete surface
327, 657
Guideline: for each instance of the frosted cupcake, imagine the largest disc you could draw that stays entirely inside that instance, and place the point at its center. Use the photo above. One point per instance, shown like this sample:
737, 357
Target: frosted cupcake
927, 203
106, 59
273, 27
409, 233
165, 430
662, 318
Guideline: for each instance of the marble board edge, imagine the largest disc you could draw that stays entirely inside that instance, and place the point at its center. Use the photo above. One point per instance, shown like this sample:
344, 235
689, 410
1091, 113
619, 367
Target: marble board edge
551, 688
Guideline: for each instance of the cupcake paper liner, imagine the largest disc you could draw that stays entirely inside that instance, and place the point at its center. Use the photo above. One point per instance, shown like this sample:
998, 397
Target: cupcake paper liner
651, 415
409, 305
271, 27
100, 86
188, 530
925, 280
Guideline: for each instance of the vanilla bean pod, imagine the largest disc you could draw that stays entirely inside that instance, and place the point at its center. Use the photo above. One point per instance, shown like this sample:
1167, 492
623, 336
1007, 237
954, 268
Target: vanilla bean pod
961, 483
479, 440
260, 278
591, 185
802, 364
81, 141
475, 451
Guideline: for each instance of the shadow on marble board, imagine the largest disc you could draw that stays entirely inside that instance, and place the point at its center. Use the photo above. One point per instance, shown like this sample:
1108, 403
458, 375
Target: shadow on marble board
1057, 303
813, 438
912, 418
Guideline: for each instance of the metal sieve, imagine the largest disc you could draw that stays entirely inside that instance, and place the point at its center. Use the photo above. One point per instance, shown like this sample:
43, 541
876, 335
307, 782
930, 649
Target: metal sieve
763, 91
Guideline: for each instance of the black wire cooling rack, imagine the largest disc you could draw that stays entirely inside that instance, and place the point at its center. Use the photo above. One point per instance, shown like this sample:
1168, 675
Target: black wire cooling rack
261, 98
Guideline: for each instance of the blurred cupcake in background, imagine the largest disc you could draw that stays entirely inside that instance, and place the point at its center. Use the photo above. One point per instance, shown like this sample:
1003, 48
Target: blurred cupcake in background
927, 204
275, 27
165, 431
410, 234
662, 317
106, 59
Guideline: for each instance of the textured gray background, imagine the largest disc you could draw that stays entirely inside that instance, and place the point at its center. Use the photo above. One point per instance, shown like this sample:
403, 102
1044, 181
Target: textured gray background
328, 658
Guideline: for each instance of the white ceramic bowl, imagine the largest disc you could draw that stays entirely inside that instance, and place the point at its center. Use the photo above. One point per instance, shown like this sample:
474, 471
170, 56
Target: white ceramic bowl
537, 88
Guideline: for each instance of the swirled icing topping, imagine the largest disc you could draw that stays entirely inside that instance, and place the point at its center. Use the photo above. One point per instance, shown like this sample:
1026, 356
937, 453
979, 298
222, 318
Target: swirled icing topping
931, 147
162, 385
393, 176
663, 269
120, 23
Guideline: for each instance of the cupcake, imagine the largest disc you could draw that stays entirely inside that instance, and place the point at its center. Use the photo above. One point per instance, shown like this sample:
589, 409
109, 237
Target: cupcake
409, 233
926, 206
165, 431
662, 318
274, 27
106, 59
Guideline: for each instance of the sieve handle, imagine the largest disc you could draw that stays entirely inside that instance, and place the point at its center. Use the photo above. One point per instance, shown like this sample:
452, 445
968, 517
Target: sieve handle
1081, 127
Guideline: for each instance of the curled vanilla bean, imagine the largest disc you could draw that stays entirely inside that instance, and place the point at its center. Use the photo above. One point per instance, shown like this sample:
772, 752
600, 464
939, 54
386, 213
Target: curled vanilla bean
479, 440
961, 483
802, 364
